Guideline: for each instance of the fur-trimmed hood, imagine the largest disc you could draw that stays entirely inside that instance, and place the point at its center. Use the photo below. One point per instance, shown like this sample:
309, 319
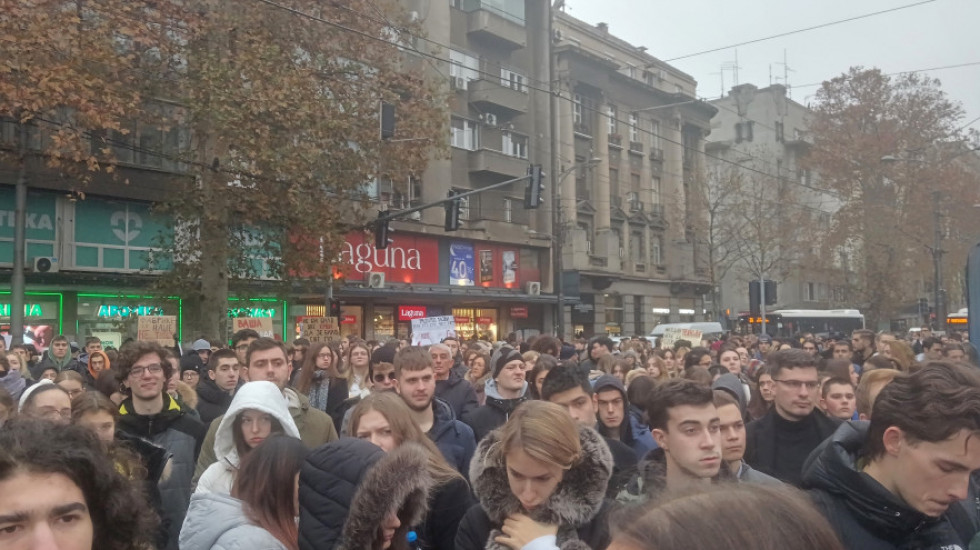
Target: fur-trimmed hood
400, 483
575, 502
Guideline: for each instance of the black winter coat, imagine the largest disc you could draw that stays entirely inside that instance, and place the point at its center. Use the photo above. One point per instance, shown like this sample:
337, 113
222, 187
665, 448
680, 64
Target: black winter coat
493, 415
577, 506
453, 438
760, 442
459, 393
865, 515
212, 401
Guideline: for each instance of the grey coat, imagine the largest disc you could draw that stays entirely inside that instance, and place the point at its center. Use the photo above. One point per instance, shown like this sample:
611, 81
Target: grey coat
217, 522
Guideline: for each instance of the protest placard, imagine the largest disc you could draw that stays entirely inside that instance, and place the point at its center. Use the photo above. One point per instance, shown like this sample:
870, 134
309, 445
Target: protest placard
157, 328
672, 335
431, 330
262, 325
321, 329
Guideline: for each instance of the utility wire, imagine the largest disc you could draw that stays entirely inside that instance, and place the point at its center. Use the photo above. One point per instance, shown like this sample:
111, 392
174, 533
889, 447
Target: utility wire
797, 31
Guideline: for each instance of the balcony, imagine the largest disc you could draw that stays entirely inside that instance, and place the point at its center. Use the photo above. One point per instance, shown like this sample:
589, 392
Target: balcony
656, 155
636, 147
489, 27
488, 95
616, 140
496, 164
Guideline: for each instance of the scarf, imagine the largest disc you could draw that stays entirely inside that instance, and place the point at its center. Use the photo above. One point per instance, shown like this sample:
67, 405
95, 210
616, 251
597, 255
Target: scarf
319, 390
14, 383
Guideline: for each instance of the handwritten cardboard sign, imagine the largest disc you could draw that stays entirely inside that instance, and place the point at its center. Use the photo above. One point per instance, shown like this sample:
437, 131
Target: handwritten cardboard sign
157, 328
321, 329
262, 325
431, 330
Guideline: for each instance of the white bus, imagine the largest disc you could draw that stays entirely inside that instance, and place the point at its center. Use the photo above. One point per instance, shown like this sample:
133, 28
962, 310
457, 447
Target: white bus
787, 322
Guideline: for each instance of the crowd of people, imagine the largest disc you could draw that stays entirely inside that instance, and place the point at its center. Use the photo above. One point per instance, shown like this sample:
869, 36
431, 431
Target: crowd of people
863, 441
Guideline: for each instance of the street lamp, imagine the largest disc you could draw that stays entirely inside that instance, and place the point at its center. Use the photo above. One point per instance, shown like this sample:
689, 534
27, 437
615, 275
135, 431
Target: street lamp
937, 246
558, 233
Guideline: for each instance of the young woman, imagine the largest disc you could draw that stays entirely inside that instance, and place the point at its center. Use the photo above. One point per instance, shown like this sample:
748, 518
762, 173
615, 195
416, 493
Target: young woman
358, 369
536, 477
530, 357
657, 368
262, 508
743, 515
71, 382
477, 376
320, 379
10, 378
669, 361
384, 419
762, 393
535, 378
257, 411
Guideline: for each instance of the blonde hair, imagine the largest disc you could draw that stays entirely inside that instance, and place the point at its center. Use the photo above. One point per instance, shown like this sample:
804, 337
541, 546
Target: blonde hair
545, 432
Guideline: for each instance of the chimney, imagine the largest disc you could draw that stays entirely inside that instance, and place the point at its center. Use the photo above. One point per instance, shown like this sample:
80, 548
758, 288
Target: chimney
603, 27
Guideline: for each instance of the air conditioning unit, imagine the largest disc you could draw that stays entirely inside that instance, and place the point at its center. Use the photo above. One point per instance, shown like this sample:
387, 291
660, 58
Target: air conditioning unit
491, 120
45, 264
376, 279
534, 288
417, 216
457, 83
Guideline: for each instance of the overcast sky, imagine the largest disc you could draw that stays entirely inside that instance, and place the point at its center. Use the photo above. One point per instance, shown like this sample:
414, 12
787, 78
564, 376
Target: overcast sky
934, 34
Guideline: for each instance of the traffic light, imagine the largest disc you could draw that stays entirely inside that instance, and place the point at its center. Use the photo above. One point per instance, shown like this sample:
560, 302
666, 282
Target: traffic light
381, 231
770, 293
532, 195
754, 295
452, 213
334, 308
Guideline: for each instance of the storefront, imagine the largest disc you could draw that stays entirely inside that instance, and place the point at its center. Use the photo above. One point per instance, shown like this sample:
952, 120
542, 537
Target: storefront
114, 318
43, 314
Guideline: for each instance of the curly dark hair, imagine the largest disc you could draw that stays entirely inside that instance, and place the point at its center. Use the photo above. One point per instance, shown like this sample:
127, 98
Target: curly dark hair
931, 405
131, 353
121, 518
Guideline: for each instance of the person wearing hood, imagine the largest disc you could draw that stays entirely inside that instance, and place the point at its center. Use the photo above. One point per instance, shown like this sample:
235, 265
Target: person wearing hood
149, 412
10, 379
540, 480
415, 383
218, 385
268, 360
58, 356
732, 384
897, 480
614, 421
261, 510
505, 390
355, 496
257, 411
97, 362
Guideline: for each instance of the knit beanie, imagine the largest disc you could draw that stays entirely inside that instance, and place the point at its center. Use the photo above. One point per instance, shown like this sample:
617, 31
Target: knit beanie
501, 357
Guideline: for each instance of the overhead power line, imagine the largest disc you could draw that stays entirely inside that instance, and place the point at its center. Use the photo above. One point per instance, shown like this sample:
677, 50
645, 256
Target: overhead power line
797, 31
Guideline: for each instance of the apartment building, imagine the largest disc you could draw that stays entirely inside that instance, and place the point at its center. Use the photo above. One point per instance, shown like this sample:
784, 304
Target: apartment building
632, 132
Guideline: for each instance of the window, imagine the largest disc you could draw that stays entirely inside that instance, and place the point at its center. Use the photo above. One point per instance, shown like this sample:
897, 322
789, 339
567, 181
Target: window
514, 145
586, 229
810, 292
656, 257
637, 246
611, 113
508, 210
464, 66
655, 189
613, 185
577, 108
655, 131
743, 131
779, 132
804, 177
464, 134
464, 205
513, 80
634, 128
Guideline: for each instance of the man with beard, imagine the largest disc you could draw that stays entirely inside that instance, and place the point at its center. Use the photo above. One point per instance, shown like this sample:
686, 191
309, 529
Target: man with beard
415, 382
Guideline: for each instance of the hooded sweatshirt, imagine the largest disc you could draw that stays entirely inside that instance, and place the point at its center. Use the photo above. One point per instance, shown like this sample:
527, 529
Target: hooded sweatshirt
218, 521
259, 396
632, 431
50, 360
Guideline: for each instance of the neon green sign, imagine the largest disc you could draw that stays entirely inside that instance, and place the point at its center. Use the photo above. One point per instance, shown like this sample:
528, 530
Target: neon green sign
30, 310
236, 312
111, 310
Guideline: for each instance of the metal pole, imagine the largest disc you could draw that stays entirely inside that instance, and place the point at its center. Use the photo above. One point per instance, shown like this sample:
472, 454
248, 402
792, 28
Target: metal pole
937, 264
17, 287
557, 219
762, 300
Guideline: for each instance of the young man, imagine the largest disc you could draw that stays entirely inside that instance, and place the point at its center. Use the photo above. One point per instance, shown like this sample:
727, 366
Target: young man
215, 391
190, 375
732, 427
450, 386
505, 390
687, 429
869, 388
267, 360
568, 386
598, 346
150, 413
240, 342
837, 398
779, 442
863, 342
612, 405
954, 352
57, 356
891, 482
415, 382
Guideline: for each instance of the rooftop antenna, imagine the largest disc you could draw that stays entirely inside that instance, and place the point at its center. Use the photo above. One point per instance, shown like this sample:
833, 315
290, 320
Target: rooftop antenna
786, 71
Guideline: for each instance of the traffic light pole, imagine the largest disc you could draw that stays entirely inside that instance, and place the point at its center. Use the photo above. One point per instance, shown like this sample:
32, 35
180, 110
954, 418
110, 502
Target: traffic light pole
404, 213
762, 300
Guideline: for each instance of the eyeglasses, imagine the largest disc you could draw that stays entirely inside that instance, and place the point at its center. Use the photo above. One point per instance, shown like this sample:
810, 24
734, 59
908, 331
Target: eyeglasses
797, 384
324, 356
809, 348
380, 377
137, 372
48, 413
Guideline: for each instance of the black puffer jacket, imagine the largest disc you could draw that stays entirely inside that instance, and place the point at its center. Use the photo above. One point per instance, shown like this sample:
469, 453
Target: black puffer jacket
577, 506
327, 483
212, 401
866, 515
